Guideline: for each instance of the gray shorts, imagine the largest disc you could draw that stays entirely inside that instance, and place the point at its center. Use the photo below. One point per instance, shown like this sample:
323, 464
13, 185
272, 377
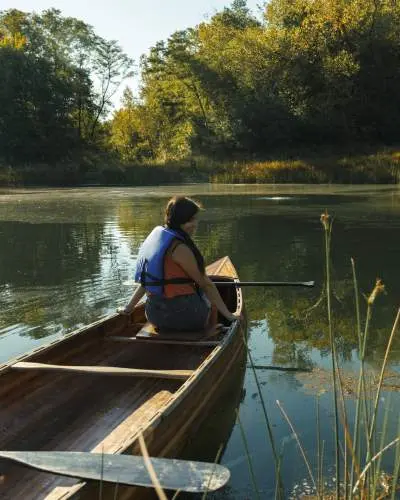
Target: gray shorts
182, 313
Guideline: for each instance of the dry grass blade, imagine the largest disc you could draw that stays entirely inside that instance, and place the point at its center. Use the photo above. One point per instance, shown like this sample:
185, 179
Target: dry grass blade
150, 469
211, 476
365, 470
249, 462
375, 411
298, 443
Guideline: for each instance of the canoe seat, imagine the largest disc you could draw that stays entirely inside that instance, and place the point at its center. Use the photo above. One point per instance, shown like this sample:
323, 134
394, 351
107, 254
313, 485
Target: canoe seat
149, 331
155, 340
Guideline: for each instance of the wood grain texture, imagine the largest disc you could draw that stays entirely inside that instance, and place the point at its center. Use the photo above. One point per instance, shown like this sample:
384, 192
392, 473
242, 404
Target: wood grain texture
163, 340
184, 475
105, 370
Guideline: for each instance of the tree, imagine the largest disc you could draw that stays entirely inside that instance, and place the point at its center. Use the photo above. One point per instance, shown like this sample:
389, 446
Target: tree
49, 102
111, 66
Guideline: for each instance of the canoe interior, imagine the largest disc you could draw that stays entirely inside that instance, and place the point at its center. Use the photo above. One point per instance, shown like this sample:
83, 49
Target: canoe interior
85, 412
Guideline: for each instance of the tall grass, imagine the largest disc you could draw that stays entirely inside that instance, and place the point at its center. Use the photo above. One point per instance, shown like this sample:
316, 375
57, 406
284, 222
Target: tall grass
326, 165
382, 167
358, 449
362, 463
279, 493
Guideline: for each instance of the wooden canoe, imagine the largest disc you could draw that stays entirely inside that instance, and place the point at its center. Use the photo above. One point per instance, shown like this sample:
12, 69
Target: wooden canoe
52, 407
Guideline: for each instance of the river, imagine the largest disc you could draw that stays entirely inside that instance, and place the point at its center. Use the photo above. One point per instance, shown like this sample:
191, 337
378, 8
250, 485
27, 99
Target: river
66, 253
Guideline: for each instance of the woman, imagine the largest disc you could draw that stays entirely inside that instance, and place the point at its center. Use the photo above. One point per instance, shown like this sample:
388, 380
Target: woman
171, 272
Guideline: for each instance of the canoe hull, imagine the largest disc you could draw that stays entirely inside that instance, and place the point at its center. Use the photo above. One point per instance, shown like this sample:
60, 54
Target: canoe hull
167, 413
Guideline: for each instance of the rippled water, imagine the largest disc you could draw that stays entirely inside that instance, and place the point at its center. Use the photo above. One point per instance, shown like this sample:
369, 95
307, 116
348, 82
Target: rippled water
65, 254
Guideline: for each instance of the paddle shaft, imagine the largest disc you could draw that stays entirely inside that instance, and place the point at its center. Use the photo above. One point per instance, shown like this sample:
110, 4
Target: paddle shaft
264, 283
238, 284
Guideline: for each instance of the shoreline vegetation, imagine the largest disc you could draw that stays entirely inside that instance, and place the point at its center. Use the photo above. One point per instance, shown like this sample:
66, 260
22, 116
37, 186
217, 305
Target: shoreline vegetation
381, 166
301, 92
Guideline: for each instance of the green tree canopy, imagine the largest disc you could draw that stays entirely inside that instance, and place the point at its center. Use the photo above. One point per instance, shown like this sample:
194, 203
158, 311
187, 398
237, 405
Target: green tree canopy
308, 72
58, 78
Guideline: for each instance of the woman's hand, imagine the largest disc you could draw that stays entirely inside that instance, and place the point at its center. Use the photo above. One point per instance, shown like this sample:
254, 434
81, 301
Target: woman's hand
124, 311
234, 317
128, 309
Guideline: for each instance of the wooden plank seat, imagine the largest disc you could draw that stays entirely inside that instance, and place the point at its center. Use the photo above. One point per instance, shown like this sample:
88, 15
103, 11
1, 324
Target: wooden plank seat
150, 332
165, 341
105, 370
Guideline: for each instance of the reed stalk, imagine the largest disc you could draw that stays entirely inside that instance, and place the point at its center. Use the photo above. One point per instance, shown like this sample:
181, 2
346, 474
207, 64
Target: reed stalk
277, 483
217, 457
372, 460
361, 386
357, 303
359, 336
101, 474
249, 462
327, 224
177, 492
385, 360
150, 469
348, 442
267, 422
306, 461
361, 392
319, 470
378, 466
116, 491
396, 471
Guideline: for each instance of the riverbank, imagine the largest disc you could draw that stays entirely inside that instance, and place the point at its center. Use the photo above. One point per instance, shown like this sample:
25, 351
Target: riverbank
317, 167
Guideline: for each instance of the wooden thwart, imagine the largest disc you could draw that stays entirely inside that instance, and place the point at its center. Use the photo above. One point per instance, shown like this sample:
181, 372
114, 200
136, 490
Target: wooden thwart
164, 340
149, 333
105, 370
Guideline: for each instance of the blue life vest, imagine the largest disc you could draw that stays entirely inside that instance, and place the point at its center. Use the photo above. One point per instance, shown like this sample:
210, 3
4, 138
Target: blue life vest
150, 263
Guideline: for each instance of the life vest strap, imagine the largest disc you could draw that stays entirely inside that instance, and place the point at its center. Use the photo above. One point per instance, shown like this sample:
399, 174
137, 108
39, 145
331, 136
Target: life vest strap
157, 282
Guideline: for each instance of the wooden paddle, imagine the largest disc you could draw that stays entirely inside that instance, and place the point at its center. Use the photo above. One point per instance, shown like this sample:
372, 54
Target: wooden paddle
173, 474
233, 283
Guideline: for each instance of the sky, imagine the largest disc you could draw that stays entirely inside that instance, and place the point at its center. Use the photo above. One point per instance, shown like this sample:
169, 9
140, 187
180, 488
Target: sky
136, 25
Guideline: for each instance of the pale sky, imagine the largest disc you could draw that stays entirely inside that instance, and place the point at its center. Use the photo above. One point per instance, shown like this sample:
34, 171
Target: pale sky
137, 24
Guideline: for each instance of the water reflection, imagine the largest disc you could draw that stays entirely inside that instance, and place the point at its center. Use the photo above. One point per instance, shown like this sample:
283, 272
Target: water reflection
64, 256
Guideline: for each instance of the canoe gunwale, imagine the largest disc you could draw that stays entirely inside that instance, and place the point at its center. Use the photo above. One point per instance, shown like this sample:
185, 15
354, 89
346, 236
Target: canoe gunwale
5, 367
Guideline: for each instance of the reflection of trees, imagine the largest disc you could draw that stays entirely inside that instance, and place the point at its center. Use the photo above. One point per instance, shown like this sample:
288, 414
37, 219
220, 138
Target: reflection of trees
49, 254
51, 259
139, 217
262, 248
292, 354
252, 233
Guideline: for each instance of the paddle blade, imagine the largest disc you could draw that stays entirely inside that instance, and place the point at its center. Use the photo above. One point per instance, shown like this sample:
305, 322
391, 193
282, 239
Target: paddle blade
173, 474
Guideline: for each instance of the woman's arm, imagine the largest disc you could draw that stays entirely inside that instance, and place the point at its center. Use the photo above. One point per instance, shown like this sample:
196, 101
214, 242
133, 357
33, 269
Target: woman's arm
183, 256
137, 295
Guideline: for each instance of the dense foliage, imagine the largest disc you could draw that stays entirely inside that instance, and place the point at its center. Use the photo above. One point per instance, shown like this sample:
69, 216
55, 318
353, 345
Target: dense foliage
311, 71
57, 80
306, 72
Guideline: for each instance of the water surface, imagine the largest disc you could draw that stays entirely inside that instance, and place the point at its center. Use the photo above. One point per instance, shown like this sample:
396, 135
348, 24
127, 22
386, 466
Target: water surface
65, 254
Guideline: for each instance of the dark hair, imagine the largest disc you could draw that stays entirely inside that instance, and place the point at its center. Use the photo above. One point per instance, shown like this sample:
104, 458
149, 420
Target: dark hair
178, 211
